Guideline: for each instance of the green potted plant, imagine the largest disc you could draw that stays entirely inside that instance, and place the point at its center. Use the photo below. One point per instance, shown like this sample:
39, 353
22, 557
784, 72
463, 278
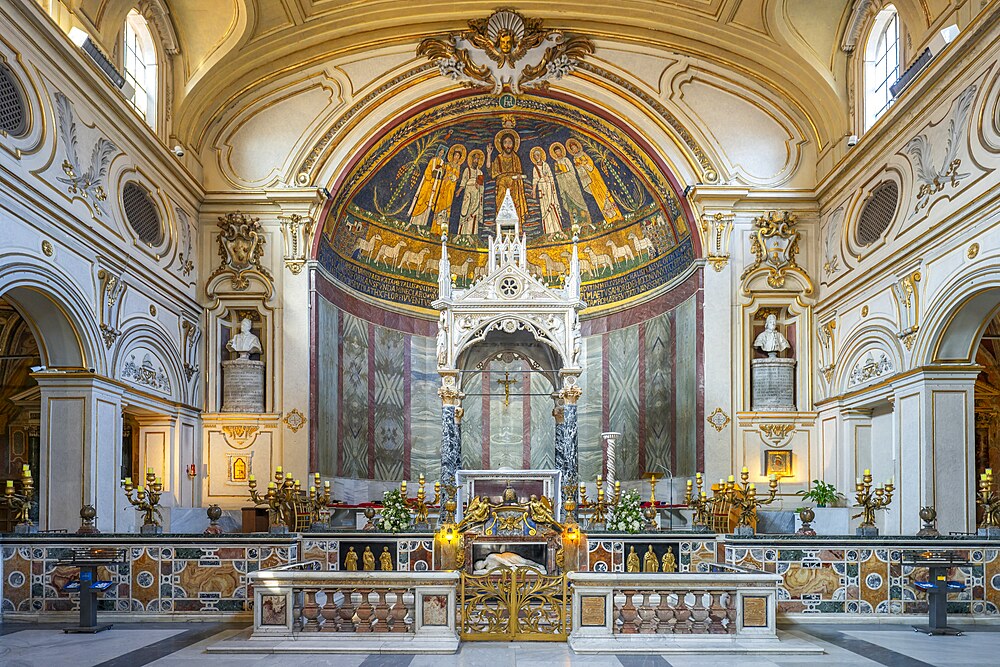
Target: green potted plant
822, 494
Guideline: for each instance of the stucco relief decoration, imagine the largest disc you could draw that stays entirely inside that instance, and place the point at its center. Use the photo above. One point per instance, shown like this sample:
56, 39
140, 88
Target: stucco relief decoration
88, 183
774, 244
186, 258
506, 50
240, 436
241, 246
444, 173
112, 289
776, 434
827, 361
831, 243
926, 156
190, 335
296, 230
717, 230
873, 365
906, 293
146, 373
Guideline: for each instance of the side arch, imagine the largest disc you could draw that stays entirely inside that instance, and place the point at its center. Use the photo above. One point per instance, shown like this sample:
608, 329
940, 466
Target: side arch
958, 315
58, 315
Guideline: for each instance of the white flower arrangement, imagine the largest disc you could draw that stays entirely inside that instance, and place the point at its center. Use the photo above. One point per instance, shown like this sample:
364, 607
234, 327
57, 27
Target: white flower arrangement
395, 515
626, 517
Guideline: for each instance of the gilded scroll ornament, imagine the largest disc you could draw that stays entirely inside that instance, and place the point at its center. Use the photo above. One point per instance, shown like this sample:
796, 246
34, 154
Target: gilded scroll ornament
776, 433
774, 244
241, 246
506, 49
240, 436
294, 420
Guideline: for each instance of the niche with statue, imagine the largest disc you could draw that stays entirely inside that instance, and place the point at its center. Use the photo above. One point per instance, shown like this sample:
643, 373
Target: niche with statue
243, 383
773, 362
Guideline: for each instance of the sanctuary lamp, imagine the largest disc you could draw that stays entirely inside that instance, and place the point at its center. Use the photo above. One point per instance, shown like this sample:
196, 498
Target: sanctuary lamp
147, 501
21, 502
870, 500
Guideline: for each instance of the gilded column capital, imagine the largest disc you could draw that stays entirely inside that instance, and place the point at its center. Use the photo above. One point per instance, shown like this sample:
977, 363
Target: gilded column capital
571, 394
450, 396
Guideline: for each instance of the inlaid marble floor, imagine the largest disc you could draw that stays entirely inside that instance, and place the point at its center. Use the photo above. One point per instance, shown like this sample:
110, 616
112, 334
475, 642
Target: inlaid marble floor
176, 644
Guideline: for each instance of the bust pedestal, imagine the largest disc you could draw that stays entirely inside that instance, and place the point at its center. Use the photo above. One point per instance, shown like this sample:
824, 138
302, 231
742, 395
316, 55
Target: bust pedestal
242, 385
773, 386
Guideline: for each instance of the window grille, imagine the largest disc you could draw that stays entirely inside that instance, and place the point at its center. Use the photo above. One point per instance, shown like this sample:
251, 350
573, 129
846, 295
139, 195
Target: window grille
877, 213
13, 110
142, 215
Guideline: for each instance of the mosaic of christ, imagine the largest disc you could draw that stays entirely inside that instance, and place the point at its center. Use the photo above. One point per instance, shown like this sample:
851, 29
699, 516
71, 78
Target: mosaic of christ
439, 175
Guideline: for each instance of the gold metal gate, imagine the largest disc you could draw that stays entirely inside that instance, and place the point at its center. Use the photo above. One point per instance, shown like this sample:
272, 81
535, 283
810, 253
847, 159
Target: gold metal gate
509, 604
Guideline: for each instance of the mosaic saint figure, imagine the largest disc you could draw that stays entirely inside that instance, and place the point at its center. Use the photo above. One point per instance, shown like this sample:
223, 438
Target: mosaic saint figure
385, 560
632, 562
669, 563
368, 559
472, 186
570, 193
506, 170
593, 183
650, 563
427, 191
446, 193
351, 560
543, 188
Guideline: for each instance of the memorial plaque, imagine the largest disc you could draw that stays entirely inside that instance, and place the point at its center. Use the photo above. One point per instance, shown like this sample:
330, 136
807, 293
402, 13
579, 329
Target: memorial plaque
773, 386
592, 610
754, 612
243, 386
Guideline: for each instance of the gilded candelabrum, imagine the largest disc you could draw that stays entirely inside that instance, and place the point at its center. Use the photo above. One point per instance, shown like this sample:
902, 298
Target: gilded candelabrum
318, 499
419, 505
743, 497
21, 502
699, 501
146, 500
597, 510
870, 500
283, 497
989, 499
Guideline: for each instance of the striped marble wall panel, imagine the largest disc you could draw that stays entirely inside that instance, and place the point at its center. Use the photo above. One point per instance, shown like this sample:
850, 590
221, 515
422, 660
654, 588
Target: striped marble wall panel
590, 410
686, 386
659, 376
506, 421
472, 422
328, 399
354, 417
387, 350
623, 398
425, 409
543, 424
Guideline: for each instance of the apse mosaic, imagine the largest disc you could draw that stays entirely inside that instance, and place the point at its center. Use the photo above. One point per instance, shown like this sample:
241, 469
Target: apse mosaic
446, 171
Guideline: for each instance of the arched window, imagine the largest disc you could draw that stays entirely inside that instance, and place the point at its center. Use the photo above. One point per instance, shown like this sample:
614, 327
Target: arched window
140, 65
881, 64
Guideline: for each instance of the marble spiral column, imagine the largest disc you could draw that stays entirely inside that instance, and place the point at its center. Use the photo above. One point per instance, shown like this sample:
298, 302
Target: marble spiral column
567, 459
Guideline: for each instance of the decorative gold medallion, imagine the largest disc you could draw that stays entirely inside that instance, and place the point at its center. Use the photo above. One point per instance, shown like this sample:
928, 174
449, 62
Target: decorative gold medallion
240, 436
973, 251
719, 419
47, 248
294, 420
864, 311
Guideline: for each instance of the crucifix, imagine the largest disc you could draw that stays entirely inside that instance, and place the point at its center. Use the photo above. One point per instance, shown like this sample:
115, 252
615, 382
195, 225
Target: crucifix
506, 382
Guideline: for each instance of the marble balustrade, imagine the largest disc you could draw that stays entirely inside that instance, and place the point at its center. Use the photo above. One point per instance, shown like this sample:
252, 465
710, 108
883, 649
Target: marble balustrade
723, 604
357, 611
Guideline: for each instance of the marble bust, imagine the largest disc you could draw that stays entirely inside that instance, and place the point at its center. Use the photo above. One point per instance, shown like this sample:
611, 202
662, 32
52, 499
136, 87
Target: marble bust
770, 339
245, 342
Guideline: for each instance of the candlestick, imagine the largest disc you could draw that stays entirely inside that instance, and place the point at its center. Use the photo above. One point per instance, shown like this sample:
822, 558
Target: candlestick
742, 496
146, 500
870, 500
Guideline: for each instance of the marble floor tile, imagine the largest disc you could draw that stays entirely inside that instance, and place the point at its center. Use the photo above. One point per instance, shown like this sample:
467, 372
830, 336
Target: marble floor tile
972, 648
50, 646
